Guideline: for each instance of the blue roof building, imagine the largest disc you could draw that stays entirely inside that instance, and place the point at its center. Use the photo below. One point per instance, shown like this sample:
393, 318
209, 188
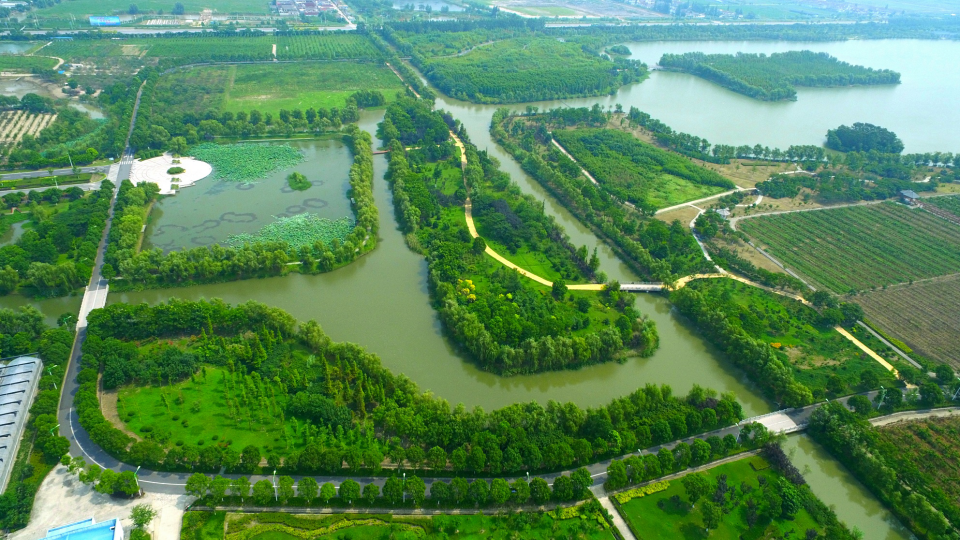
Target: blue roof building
108, 530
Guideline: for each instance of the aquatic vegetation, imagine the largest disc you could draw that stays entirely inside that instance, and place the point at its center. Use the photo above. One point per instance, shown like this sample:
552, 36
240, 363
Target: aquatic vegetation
300, 230
298, 181
245, 162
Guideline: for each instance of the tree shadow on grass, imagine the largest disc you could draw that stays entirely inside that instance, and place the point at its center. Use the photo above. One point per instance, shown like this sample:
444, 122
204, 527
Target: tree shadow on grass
691, 530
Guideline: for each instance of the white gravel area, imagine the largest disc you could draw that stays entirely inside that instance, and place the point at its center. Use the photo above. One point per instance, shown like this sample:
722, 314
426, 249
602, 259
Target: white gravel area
155, 170
63, 499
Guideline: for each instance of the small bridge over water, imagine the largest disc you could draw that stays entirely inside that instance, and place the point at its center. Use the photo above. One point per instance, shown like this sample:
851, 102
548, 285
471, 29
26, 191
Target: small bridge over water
639, 287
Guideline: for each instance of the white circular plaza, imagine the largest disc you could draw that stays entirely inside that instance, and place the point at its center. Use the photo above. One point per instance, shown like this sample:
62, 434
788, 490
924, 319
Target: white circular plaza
155, 170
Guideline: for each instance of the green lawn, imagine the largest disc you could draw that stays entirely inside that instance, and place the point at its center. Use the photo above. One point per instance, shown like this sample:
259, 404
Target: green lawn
203, 525
197, 412
270, 88
656, 517
10, 62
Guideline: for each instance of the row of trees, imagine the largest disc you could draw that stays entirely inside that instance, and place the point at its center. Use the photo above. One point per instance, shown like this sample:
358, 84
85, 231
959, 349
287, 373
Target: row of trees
856, 443
459, 492
29, 333
411, 427
640, 468
152, 268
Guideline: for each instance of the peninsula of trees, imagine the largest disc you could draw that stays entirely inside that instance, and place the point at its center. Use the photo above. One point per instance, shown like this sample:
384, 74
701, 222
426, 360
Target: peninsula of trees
774, 78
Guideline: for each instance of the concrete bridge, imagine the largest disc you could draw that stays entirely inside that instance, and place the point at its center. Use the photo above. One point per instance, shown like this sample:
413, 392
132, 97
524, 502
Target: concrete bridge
639, 287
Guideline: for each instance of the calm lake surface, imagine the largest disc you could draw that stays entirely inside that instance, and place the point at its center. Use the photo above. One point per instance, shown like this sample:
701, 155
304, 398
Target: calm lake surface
212, 210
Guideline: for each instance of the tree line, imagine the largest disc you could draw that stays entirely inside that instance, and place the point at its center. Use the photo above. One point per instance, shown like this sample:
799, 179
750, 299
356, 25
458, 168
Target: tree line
389, 415
850, 438
154, 268
773, 78
459, 492
24, 331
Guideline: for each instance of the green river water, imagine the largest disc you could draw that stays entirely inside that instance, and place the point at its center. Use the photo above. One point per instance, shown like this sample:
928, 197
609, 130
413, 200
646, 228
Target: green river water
381, 301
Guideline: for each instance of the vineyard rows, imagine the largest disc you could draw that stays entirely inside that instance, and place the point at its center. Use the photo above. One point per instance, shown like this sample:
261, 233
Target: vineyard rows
859, 248
925, 315
15, 124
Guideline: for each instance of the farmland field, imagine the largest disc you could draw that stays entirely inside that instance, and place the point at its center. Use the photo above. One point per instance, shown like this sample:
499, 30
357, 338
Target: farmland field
221, 49
925, 315
925, 455
862, 247
950, 203
112, 7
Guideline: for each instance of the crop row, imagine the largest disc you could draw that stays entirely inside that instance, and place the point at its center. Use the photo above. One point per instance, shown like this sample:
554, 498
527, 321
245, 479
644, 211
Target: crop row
15, 124
220, 48
861, 247
926, 315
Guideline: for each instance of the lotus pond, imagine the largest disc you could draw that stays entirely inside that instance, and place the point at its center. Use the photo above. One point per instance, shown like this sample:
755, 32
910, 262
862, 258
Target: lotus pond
213, 211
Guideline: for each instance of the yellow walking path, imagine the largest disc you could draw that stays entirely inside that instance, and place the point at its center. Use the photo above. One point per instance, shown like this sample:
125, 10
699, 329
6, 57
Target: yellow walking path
681, 282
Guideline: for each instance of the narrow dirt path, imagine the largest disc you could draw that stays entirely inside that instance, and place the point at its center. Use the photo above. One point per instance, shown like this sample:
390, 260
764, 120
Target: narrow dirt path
870, 352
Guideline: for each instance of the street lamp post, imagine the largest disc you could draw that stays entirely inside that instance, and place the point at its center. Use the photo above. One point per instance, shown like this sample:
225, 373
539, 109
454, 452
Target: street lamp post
137, 479
880, 400
405, 488
274, 482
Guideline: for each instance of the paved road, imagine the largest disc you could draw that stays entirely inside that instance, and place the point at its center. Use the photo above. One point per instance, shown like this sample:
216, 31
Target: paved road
57, 172
173, 483
95, 296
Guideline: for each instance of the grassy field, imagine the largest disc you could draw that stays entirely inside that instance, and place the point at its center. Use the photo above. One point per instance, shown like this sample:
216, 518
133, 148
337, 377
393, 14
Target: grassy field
9, 62
860, 248
814, 352
142, 406
270, 88
656, 516
925, 315
538, 525
203, 525
638, 172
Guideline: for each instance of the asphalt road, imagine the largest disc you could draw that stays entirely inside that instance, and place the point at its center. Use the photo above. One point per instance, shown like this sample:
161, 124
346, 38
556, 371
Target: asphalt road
173, 483
57, 172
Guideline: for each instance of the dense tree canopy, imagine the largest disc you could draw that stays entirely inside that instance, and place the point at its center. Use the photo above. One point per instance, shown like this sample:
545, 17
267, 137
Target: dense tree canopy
863, 137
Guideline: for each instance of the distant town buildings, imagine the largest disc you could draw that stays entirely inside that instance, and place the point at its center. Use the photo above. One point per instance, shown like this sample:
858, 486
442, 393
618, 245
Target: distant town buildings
309, 8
